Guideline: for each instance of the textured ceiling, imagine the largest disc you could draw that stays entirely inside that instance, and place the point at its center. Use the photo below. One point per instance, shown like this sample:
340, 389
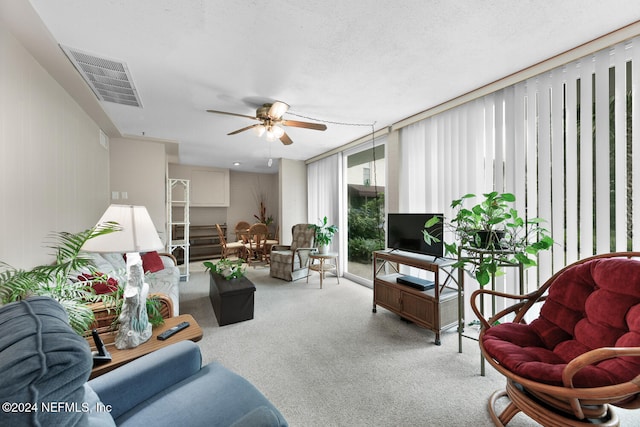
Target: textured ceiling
342, 62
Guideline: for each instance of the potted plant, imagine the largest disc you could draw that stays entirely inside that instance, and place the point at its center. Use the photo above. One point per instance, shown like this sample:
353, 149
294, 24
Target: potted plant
227, 268
324, 234
494, 228
63, 281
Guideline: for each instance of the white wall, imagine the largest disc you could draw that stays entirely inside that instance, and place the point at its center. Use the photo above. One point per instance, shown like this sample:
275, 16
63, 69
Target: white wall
247, 189
54, 172
198, 215
292, 181
138, 168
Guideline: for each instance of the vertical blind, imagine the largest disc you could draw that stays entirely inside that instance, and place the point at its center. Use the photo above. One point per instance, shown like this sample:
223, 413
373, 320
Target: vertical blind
563, 142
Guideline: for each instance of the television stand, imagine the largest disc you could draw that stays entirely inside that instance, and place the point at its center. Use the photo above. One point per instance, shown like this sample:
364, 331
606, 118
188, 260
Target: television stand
435, 308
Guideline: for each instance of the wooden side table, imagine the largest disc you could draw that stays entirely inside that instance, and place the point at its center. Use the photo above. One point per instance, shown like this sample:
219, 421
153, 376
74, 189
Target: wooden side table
323, 266
121, 357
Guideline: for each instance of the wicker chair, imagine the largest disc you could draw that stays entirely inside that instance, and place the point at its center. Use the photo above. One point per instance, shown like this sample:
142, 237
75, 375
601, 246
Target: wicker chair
580, 356
256, 244
229, 247
242, 229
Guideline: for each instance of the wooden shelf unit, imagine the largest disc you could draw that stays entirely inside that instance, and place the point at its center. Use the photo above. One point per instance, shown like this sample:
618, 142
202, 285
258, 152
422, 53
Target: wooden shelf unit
204, 242
435, 309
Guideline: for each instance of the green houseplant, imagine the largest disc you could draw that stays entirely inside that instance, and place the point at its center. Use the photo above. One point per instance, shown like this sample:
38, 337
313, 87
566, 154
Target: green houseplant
494, 228
324, 234
227, 268
60, 280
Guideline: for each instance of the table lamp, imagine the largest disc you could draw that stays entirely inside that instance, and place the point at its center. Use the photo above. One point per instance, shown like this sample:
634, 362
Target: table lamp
137, 234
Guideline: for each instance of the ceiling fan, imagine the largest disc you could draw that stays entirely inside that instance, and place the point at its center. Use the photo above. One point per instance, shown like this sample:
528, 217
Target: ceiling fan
271, 122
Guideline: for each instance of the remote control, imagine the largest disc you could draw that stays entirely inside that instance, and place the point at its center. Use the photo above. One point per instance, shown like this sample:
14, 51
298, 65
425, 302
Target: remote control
169, 332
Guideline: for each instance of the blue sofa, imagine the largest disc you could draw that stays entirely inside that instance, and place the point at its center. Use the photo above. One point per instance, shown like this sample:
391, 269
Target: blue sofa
45, 367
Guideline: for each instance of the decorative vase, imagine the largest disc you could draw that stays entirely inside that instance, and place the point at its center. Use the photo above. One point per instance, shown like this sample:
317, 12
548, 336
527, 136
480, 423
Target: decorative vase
323, 249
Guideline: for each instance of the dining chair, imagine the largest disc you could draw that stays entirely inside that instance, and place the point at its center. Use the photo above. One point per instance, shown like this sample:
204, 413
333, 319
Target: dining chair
242, 229
229, 247
257, 243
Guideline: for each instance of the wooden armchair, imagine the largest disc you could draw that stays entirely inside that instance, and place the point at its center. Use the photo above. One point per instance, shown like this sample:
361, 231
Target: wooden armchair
580, 356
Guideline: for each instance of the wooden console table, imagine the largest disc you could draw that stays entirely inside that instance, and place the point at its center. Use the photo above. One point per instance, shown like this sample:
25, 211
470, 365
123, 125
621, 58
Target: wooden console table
121, 357
435, 309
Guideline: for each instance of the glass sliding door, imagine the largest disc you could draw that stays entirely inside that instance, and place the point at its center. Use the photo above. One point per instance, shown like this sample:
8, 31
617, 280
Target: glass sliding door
365, 187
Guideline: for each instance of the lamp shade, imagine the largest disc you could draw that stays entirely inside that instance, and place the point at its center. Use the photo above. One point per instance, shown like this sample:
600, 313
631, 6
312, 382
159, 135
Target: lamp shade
138, 233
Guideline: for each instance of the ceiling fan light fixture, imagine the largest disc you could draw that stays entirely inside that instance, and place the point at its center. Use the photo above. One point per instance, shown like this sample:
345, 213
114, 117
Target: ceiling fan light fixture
277, 109
259, 130
277, 131
270, 122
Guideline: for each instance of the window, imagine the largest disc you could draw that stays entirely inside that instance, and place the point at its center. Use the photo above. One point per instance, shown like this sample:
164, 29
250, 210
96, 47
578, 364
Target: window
366, 176
365, 183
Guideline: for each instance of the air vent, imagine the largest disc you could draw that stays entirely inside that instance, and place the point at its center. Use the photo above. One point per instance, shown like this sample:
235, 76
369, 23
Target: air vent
109, 79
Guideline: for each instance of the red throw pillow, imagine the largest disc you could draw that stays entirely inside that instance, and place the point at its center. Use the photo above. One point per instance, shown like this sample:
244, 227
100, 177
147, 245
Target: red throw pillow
100, 286
111, 285
151, 262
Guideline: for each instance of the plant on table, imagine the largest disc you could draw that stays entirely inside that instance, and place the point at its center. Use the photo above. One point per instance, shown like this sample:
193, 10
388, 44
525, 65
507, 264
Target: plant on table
59, 280
64, 280
494, 228
229, 269
324, 234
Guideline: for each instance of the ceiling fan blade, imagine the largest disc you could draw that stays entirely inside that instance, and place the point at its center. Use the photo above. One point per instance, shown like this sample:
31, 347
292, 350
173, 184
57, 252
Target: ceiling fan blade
306, 125
233, 114
277, 109
243, 129
285, 139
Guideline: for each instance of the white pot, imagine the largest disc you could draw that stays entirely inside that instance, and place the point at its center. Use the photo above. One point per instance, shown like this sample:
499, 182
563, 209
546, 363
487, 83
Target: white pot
323, 249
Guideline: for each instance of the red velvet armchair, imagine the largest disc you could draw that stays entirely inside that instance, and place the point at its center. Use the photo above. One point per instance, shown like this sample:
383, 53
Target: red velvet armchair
580, 356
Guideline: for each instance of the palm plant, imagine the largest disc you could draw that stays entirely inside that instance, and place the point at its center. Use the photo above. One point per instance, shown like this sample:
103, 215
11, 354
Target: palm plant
59, 280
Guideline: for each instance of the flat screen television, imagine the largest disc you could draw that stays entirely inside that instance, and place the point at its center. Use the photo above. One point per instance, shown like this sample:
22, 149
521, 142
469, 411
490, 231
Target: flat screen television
404, 232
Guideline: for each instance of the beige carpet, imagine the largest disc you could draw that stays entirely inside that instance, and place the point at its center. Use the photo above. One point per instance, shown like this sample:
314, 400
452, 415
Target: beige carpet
324, 359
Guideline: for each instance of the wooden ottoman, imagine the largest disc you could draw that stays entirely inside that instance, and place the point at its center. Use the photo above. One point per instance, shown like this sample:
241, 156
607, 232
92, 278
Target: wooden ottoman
232, 300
